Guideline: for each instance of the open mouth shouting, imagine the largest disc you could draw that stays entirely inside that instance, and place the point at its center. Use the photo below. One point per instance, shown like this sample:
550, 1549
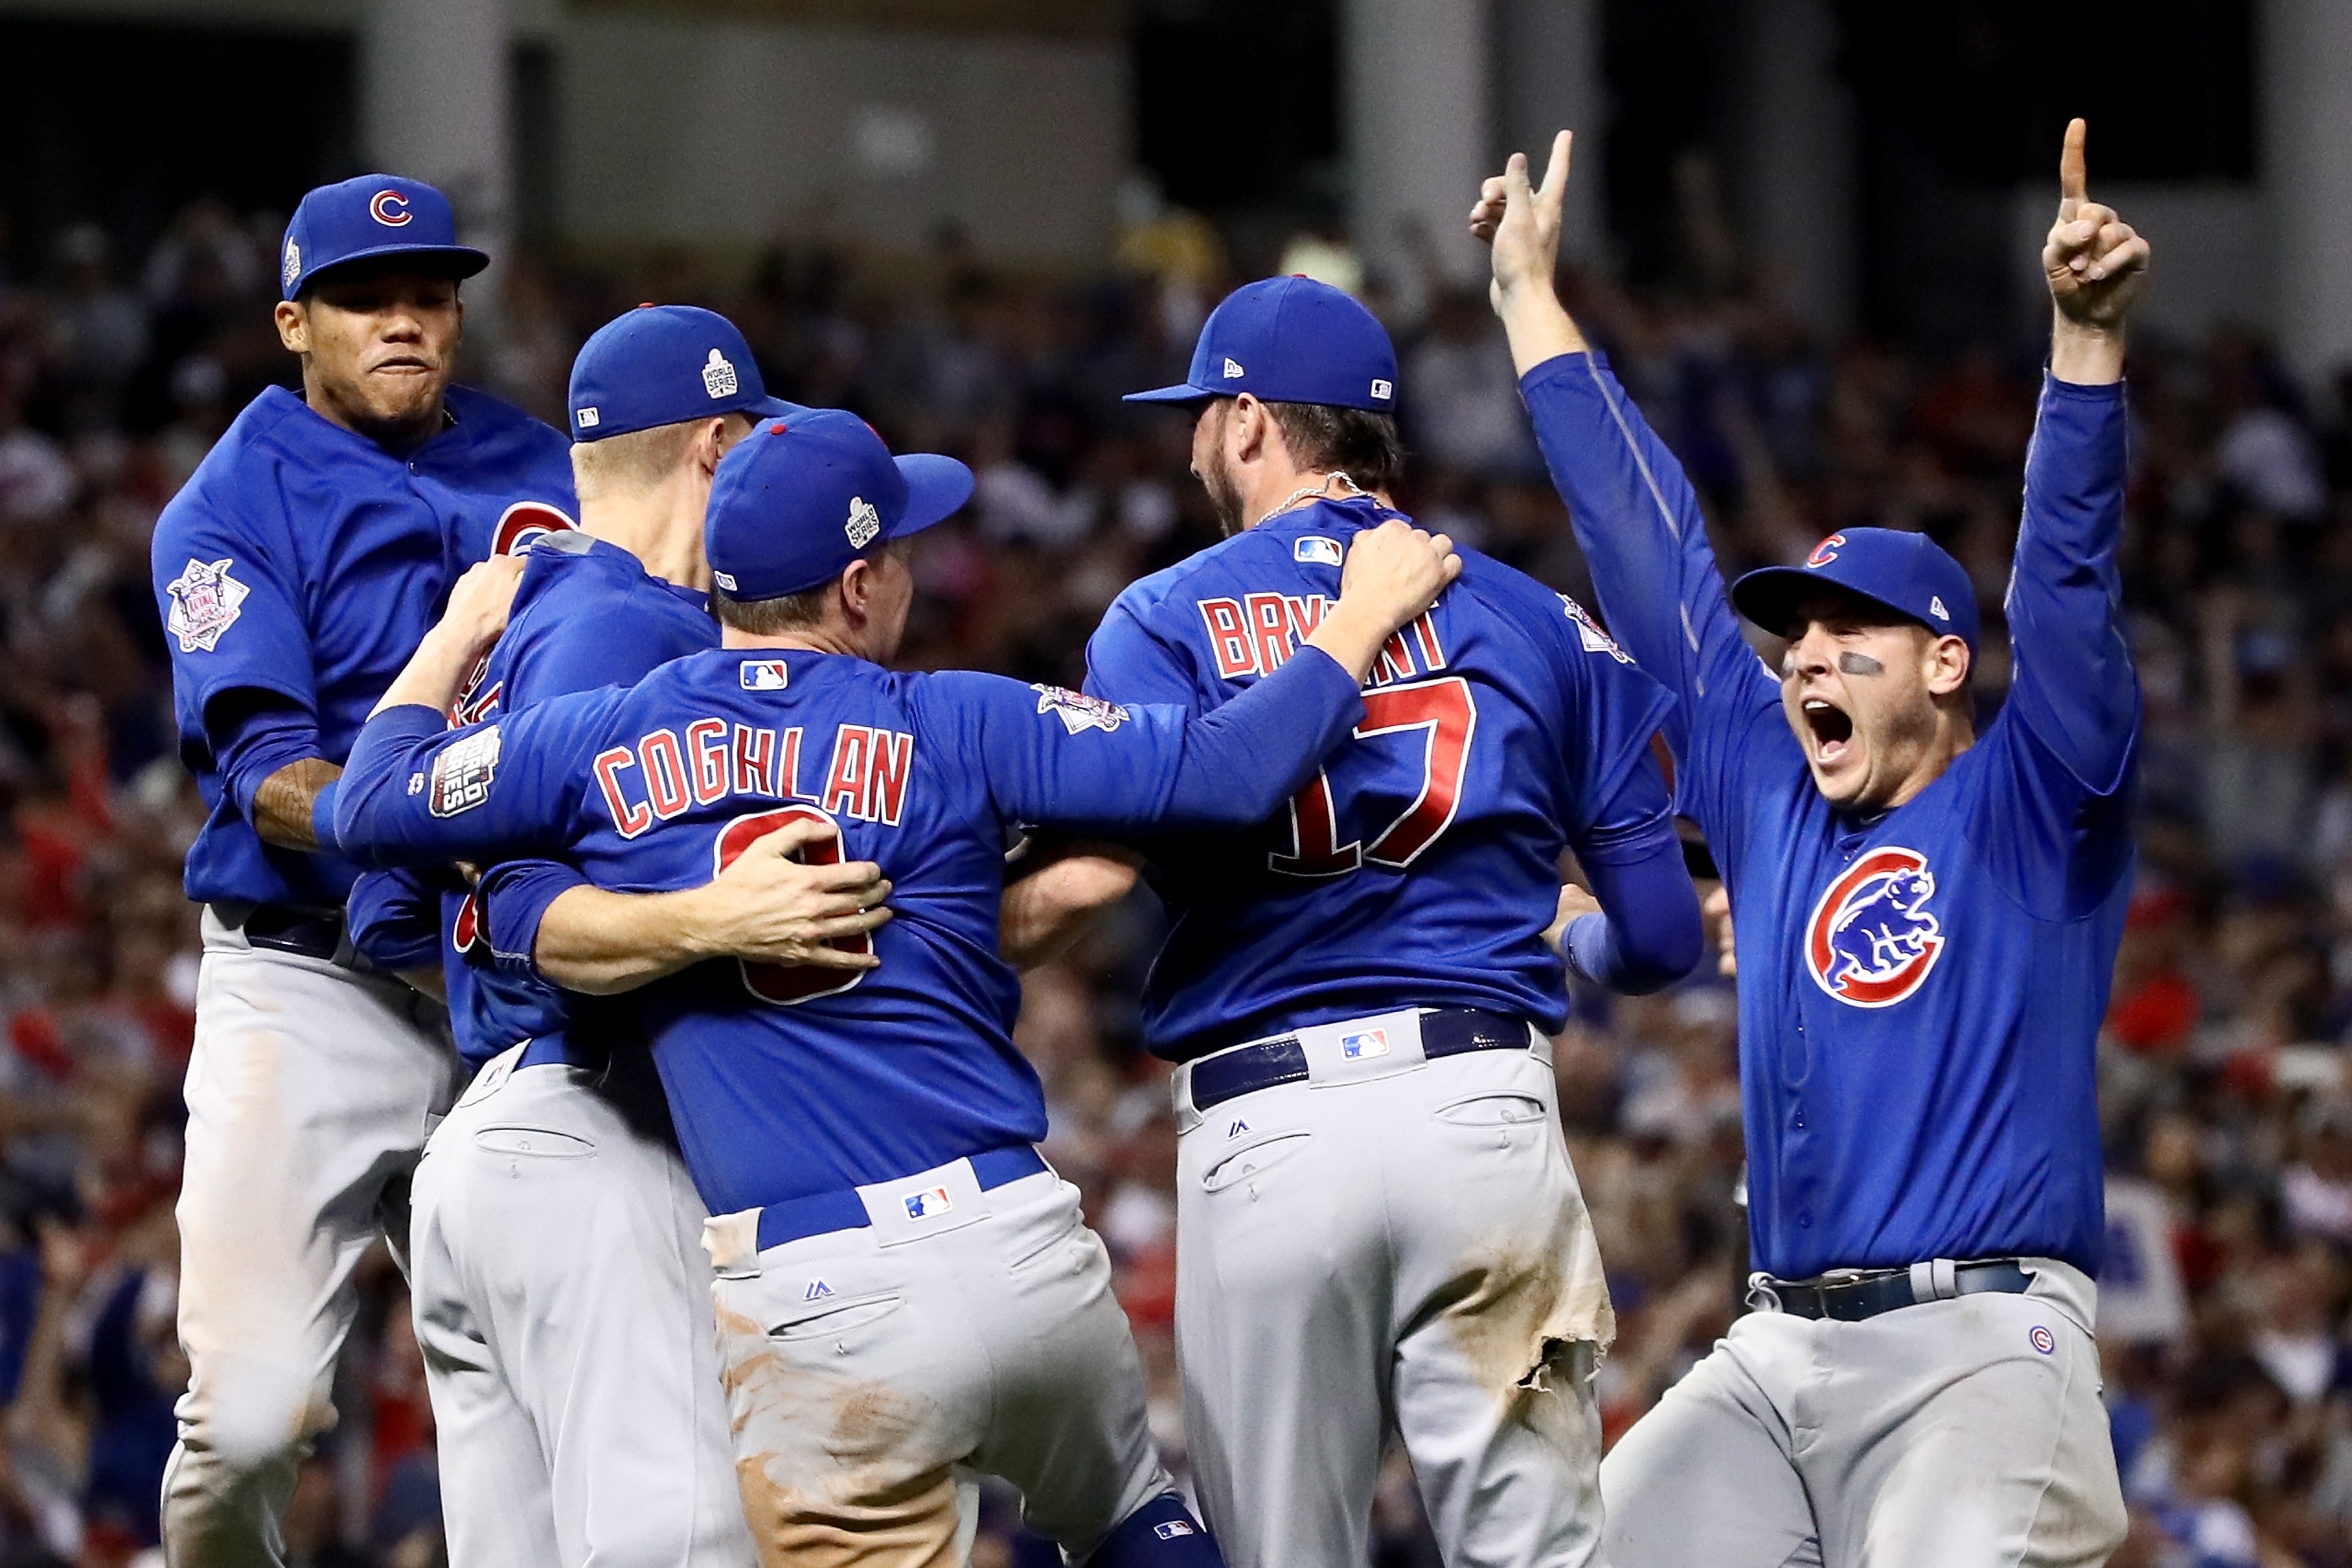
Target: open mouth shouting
1831, 729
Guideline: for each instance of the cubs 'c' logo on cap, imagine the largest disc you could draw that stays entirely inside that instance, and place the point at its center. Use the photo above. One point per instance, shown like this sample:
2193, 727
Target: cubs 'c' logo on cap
1871, 940
1826, 551
390, 208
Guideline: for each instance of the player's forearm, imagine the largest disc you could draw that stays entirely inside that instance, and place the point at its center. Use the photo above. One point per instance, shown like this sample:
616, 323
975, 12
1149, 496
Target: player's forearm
285, 805
1639, 524
1649, 933
1052, 904
2084, 355
1537, 325
1246, 757
435, 673
2075, 681
601, 943
385, 813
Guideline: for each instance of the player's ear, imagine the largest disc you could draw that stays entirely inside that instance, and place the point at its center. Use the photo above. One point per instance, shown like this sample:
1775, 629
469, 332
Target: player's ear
1947, 665
293, 319
1247, 427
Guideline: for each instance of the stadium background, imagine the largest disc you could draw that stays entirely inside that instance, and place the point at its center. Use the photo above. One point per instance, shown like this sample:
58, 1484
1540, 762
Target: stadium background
1804, 228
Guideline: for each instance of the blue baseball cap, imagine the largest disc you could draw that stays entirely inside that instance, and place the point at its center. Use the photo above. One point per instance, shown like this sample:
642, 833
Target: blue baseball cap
371, 217
1908, 572
799, 499
663, 365
1289, 340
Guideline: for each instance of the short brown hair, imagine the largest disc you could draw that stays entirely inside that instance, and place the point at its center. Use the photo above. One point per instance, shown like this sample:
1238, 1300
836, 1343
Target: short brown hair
771, 617
1357, 442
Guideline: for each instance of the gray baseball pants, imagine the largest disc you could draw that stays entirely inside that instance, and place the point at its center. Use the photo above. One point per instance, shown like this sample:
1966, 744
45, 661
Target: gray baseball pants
870, 1369
563, 1302
1940, 1435
308, 1093
1392, 1242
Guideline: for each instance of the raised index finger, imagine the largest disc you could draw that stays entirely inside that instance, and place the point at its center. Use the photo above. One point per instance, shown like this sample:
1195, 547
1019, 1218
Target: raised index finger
2074, 183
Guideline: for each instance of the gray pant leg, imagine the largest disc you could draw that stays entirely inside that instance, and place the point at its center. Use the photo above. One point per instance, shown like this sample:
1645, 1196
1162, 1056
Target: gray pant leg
1499, 1303
308, 1093
1283, 1329
578, 1244
496, 1509
1704, 1480
1951, 1439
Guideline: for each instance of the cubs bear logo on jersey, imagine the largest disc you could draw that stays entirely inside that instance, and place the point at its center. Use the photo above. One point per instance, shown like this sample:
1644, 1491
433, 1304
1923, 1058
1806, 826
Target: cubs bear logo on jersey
1871, 940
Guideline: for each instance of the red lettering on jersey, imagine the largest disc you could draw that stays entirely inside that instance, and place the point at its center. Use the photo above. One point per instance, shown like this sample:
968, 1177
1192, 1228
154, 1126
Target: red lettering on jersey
664, 766
1305, 614
785, 985
1394, 664
1269, 625
755, 761
1424, 634
886, 788
706, 742
788, 778
844, 783
1228, 638
1444, 710
630, 816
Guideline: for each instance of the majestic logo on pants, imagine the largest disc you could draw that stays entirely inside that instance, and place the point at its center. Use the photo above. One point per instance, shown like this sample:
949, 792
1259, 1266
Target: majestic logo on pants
1871, 940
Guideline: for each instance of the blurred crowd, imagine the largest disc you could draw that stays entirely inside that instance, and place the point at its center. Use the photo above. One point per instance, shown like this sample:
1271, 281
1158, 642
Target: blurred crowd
2227, 1111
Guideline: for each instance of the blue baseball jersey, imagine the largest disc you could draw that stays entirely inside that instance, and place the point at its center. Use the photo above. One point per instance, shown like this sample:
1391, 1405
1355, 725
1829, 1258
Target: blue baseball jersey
1422, 866
785, 1082
303, 561
1920, 990
586, 615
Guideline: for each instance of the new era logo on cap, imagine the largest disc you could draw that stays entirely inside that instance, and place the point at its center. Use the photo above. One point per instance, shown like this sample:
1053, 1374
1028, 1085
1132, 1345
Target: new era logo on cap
1234, 372
1935, 607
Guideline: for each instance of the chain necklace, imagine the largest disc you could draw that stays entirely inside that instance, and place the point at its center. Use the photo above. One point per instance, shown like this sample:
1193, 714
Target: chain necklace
1315, 491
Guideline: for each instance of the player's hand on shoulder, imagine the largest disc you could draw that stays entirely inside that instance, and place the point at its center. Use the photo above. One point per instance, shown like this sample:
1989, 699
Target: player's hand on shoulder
480, 603
2094, 261
1397, 570
1715, 910
770, 906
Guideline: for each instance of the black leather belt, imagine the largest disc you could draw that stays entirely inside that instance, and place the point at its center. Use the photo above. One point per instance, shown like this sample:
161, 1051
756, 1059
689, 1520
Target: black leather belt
1246, 1070
1852, 1299
312, 934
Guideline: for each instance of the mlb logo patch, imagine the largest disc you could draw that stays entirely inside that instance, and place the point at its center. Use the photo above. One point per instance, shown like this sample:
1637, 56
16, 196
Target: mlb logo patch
928, 1202
588, 417
1317, 550
719, 376
462, 775
1174, 1529
1383, 390
205, 600
1371, 1043
765, 675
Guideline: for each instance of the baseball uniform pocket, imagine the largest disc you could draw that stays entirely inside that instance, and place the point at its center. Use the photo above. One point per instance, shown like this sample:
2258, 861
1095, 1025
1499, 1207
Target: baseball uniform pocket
836, 1322
540, 1142
1256, 1159
1494, 1110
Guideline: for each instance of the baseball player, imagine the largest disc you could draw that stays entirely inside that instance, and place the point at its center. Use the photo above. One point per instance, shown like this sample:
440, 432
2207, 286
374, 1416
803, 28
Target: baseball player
1925, 919
295, 573
560, 1295
903, 1287
1376, 1220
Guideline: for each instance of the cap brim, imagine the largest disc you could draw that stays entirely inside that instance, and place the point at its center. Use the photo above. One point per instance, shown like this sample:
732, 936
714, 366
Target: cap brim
1769, 595
773, 408
937, 488
457, 260
1185, 394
